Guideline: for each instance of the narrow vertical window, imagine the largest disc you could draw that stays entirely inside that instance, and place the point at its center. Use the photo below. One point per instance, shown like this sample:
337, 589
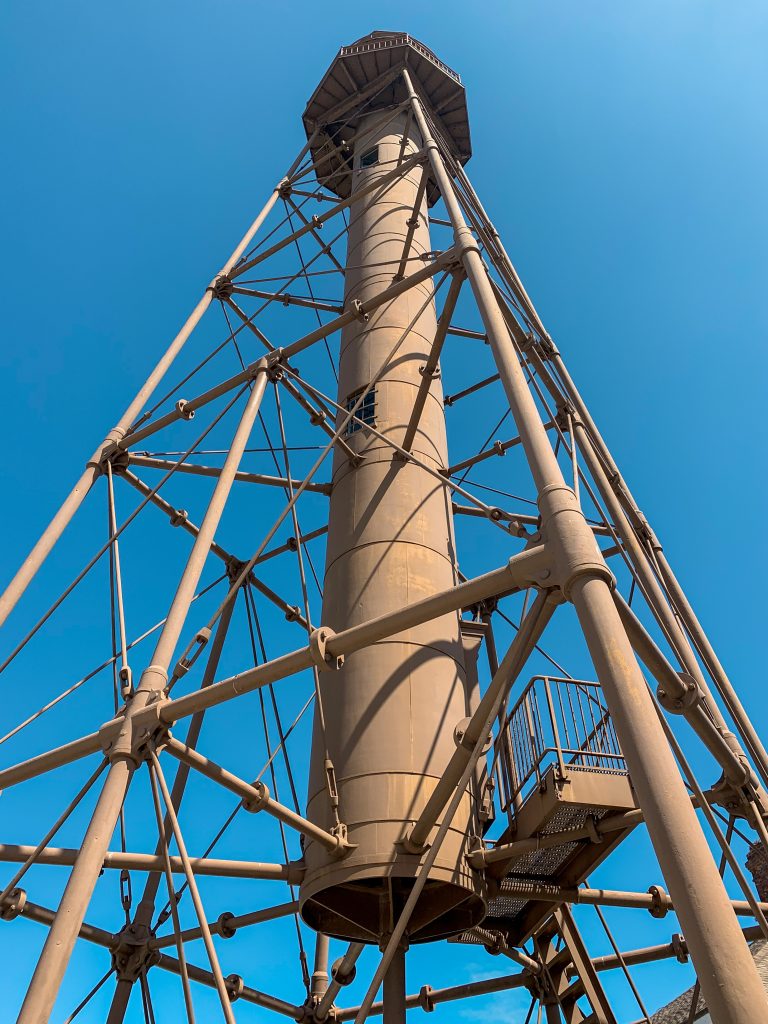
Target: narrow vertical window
365, 414
370, 158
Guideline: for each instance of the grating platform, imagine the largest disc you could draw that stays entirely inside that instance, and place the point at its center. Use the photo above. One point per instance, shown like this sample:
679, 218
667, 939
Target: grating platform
562, 770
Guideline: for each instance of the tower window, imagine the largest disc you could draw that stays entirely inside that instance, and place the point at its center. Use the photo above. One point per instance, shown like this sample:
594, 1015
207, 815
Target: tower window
370, 158
365, 413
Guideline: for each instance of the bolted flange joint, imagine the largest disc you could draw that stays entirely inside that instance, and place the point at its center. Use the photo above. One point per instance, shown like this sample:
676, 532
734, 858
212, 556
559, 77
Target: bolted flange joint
426, 1002
433, 375
234, 985
131, 955
460, 733
322, 658
590, 824
659, 902
224, 928
343, 846
307, 1013
343, 978
408, 846
257, 803
268, 362
234, 567
464, 242
118, 458
687, 697
183, 410
732, 796
571, 543
357, 308
747, 778
131, 737
13, 904
680, 948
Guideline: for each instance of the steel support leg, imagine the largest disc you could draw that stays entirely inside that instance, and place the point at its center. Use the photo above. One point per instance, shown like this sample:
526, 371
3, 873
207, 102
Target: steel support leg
146, 908
618, 492
53, 962
394, 989
729, 980
44, 987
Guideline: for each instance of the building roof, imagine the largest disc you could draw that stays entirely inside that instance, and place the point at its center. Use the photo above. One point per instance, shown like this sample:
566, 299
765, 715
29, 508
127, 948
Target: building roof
364, 77
678, 1011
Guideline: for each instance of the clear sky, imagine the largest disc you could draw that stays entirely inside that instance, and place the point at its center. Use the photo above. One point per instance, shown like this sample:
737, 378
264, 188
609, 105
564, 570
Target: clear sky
621, 151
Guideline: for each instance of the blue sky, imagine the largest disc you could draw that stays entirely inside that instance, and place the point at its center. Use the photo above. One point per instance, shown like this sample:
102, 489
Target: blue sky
621, 151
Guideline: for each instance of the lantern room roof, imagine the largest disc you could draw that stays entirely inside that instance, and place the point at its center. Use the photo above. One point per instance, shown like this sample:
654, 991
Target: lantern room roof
363, 78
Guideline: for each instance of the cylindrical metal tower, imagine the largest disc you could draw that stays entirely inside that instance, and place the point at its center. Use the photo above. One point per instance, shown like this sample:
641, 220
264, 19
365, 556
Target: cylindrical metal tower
398, 843
387, 718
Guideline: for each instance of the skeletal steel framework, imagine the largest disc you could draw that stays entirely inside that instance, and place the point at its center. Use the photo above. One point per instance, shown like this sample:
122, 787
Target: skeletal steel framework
438, 808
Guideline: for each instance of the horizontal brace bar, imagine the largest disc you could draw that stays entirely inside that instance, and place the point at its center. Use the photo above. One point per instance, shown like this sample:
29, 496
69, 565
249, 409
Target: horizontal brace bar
517, 572
56, 758
287, 299
313, 195
498, 515
450, 400
226, 924
387, 295
524, 518
611, 898
291, 544
521, 571
247, 994
496, 941
462, 332
185, 409
255, 798
293, 872
215, 471
177, 517
43, 915
650, 954
499, 448
427, 998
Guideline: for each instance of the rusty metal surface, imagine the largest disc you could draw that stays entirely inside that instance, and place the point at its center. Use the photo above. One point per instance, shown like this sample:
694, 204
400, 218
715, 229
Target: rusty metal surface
390, 542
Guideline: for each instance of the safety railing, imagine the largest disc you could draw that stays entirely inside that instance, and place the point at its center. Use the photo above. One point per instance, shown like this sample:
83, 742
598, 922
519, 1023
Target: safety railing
556, 722
386, 42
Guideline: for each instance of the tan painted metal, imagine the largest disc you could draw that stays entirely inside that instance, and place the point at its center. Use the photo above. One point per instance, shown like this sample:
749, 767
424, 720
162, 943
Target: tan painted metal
391, 710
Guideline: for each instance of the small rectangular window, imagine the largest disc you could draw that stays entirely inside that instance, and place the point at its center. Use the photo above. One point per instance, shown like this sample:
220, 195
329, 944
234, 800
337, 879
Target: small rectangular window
365, 413
370, 158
